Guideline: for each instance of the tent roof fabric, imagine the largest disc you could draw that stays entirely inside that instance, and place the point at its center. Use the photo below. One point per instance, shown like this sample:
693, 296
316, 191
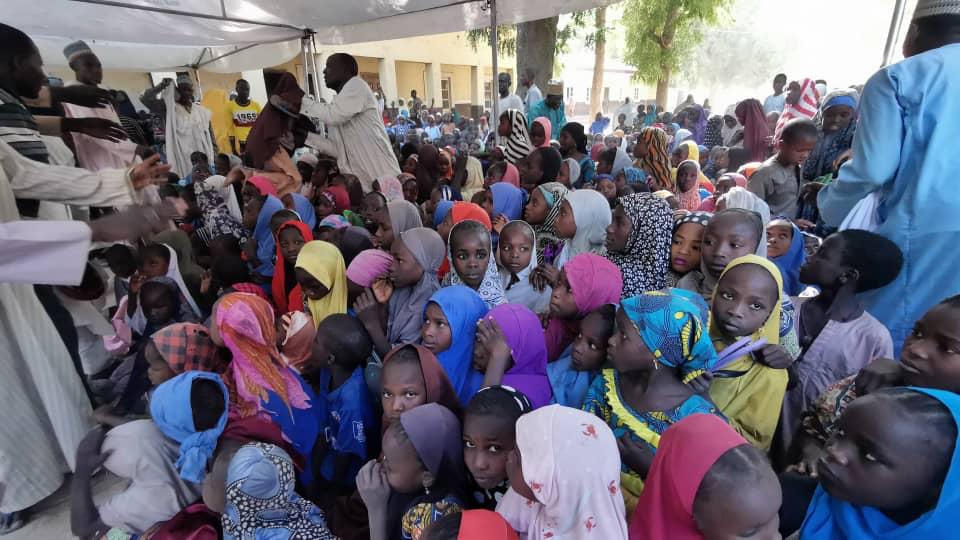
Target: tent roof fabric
179, 31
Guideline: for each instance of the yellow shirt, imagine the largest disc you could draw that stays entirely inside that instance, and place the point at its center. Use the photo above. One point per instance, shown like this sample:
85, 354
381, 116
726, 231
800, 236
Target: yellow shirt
244, 116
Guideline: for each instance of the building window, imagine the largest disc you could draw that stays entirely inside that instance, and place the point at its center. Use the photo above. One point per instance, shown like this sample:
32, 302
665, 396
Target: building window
488, 95
606, 94
445, 93
588, 93
569, 94
636, 94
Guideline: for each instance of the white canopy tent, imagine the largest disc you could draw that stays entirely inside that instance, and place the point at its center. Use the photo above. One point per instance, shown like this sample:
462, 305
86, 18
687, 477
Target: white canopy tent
237, 35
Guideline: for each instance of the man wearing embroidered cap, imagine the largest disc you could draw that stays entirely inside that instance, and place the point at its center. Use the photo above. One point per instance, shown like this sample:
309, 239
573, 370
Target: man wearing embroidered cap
552, 107
93, 153
904, 157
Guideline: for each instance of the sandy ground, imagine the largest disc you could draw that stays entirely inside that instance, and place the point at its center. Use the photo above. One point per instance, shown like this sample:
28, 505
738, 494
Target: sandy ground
50, 519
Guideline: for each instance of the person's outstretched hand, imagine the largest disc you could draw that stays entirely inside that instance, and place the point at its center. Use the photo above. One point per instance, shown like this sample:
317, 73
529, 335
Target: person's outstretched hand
132, 223
100, 128
82, 95
149, 171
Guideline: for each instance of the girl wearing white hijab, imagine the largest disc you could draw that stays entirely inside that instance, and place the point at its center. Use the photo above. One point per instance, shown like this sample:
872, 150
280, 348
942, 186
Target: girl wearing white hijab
517, 287
591, 215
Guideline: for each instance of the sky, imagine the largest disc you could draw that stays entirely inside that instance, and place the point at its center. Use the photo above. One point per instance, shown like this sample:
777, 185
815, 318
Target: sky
841, 41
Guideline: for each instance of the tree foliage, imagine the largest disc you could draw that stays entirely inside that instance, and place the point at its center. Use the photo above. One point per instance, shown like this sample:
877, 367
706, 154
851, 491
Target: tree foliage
507, 35
660, 33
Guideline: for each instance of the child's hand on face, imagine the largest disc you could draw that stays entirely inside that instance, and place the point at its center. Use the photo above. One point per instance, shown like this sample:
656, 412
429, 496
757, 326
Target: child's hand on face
136, 281
382, 290
545, 274
774, 356
491, 337
499, 223
373, 486
367, 308
544, 319
635, 455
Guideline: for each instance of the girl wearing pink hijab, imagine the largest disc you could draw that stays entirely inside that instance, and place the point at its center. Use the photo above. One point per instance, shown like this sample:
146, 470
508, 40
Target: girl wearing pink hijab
540, 131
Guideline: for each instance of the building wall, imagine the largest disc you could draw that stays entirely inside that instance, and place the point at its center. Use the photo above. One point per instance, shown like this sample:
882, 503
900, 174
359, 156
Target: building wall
410, 76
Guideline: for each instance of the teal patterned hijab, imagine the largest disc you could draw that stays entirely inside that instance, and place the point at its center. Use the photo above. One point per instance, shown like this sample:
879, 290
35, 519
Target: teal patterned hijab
674, 325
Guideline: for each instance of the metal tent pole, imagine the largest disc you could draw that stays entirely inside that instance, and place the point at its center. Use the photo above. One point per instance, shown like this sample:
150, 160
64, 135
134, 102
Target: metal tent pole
306, 63
895, 21
494, 46
313, 62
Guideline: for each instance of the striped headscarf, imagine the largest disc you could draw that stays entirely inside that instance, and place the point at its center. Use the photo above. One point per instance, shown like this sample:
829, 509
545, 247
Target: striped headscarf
247, 327
806, 106
517, 144
657, 160
554, 193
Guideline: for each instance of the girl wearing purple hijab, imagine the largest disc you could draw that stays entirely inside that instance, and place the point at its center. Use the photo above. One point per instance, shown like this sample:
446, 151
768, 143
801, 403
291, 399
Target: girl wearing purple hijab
510, 350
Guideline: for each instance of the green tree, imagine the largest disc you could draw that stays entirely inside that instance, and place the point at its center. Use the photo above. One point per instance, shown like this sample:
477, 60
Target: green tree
659, 33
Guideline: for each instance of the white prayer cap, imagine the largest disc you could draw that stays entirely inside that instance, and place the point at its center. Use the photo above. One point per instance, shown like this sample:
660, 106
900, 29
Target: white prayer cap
928, 8
75, 49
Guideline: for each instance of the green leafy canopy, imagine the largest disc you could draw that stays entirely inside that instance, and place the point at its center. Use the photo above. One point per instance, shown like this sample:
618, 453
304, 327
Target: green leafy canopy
660, 33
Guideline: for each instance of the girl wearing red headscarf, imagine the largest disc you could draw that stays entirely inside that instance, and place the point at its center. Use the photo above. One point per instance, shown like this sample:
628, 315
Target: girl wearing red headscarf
461, 211
700, 462
291, 237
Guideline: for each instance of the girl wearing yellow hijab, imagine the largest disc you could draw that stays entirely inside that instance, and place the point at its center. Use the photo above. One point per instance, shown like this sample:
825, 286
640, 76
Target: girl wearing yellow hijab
692, 153
749, 390
321, 274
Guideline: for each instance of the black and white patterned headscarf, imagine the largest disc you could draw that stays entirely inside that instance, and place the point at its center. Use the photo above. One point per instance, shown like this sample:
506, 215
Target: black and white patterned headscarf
645, 259
517, 145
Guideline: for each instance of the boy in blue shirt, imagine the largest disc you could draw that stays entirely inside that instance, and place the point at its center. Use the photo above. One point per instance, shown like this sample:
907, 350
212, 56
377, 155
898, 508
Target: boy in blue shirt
335, 370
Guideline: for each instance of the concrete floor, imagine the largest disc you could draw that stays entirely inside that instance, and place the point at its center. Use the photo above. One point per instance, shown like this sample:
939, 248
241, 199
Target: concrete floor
50, 519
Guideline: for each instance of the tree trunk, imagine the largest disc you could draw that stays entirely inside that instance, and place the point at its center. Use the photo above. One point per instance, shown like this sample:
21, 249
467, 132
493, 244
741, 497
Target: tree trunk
663, 90
599, 52
536, 48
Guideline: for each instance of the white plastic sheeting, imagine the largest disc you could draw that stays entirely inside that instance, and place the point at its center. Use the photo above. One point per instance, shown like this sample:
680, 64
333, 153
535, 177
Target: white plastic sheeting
156, 35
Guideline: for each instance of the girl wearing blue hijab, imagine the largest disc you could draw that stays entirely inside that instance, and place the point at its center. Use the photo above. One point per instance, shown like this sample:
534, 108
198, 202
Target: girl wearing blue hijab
449, 327
892, 471
191, 409
440, 212
259, 206
785, 248
508, 201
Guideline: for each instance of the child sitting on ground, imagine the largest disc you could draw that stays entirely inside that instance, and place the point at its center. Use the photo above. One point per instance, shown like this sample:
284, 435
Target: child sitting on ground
837, 337
587, 282
449, 329
489, 435
749, 389
573, 373
912, 434
471, 256
785, 247
287, 293
509, 350
701, 461
335, 371
660, 344
517, 250
685, 245
553, 492
411, 376
421, 478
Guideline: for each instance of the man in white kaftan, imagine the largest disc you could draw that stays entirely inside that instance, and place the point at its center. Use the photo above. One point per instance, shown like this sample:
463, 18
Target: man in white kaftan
355, 132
